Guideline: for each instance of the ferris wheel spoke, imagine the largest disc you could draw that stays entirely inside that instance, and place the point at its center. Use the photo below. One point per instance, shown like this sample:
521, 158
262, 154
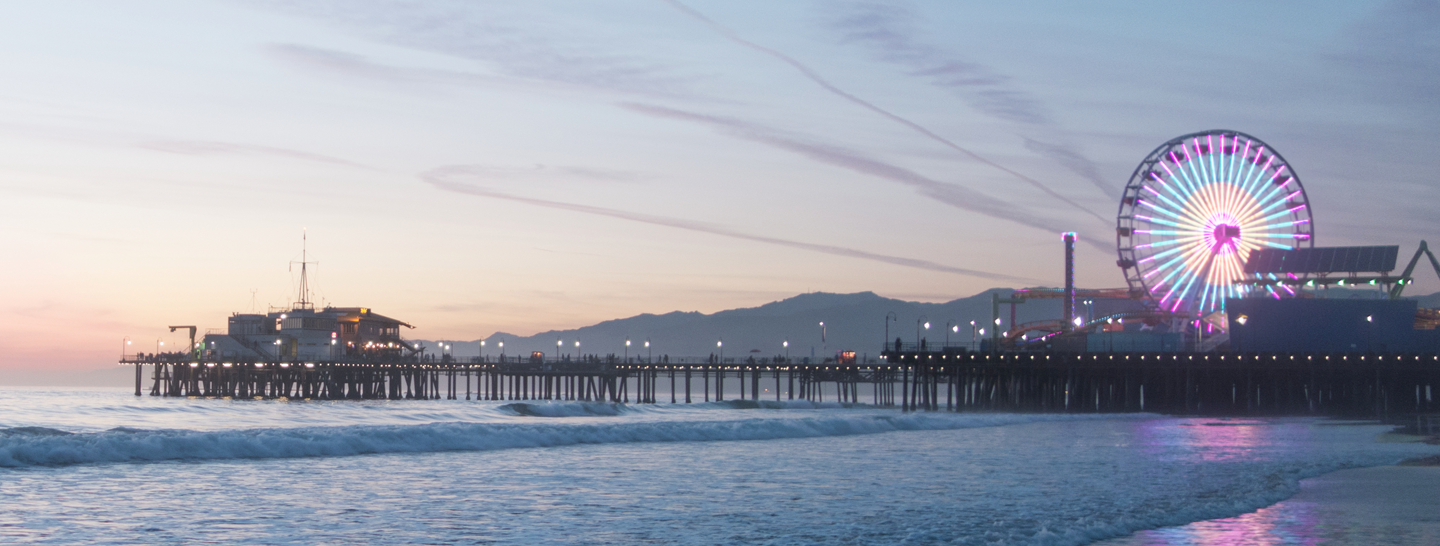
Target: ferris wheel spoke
1197, 163
1181, 189
1178, 189
1151, 205
1256, 176
1179, 264
1162, 243
1273, 193
1210, 156
1269, 202
1160, 221
1276, 225
1233, 171
1276, 236
1167, 253
1179, 299
1193, 174
1240, 160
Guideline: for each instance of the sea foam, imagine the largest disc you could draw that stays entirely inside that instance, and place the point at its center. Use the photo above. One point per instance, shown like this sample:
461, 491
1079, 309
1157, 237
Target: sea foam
34, 446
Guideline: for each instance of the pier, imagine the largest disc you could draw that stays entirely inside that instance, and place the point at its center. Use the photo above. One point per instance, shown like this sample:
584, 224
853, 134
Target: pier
944, 379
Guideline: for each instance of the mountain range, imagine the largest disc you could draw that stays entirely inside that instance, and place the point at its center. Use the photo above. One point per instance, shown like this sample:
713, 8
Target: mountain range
853, 322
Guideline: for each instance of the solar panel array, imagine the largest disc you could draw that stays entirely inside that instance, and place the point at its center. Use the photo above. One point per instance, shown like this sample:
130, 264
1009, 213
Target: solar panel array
1339, 259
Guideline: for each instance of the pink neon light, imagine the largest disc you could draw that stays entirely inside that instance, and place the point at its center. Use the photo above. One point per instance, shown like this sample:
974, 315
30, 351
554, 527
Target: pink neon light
1259, 153
1293, 194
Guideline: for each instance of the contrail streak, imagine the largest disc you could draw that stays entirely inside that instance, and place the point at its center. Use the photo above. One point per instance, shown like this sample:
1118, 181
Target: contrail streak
444, 178
822, 82
956, 196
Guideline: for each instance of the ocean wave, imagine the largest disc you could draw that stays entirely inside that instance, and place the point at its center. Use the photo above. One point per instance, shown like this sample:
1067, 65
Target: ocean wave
576, 409
33, 446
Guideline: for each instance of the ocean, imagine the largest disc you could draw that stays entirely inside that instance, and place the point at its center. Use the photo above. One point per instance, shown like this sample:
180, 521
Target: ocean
101, 466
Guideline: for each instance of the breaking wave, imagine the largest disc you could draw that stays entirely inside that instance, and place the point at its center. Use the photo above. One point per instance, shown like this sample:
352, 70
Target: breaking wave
34, 446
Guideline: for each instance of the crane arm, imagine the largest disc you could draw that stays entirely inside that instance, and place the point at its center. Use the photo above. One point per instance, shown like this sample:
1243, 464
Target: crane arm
192, 349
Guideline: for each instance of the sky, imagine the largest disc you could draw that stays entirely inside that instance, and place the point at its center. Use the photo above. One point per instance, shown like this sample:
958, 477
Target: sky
472, 167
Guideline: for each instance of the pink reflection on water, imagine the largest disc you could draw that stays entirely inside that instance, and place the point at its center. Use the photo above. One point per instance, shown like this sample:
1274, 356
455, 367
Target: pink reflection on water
1210, 439
1287, 524
1226, 440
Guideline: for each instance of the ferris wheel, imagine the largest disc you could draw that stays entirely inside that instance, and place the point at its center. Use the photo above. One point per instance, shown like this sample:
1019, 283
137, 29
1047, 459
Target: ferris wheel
1195, 208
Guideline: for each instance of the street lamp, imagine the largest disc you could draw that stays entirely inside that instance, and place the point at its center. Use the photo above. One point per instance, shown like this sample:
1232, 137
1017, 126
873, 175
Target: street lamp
721, 345
122, 347
923, 320
627, 350
558, 345
577, 350
786, 344
502, 349
950, 327
973, 337
482, 350
648, 359
888, 317
823, 347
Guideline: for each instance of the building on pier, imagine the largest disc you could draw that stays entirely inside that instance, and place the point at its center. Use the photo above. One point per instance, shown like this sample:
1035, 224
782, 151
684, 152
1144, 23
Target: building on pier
300, 333
304, 333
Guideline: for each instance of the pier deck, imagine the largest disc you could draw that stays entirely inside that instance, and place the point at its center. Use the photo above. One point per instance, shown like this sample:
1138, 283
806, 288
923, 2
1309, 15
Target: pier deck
1371, 385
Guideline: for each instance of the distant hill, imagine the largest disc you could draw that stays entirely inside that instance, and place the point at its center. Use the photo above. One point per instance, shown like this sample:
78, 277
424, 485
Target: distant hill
852, 322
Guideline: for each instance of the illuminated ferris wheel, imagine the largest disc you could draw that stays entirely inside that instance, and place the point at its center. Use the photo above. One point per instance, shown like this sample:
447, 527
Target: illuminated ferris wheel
1195, 208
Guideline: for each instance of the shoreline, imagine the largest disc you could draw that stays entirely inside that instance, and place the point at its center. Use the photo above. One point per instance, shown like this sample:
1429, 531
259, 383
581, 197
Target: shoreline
1391, 504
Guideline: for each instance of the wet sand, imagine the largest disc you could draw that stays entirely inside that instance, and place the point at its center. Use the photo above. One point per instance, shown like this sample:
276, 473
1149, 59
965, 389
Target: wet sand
1385, 505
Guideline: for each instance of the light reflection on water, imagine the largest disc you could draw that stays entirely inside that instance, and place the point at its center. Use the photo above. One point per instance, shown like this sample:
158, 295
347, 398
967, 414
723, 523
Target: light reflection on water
1287, 524
1384, 505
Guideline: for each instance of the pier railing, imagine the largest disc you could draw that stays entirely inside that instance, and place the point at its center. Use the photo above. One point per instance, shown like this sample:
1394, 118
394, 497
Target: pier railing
1352, 384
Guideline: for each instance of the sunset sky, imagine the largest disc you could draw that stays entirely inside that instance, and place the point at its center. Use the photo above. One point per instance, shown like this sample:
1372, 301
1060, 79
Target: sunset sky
474, 166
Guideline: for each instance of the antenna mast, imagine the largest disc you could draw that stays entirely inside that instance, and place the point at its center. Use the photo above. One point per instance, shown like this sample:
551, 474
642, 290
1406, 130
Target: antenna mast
304, 298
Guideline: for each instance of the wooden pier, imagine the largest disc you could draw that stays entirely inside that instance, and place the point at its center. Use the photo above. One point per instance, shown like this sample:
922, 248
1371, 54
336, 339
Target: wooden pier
1369, 385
